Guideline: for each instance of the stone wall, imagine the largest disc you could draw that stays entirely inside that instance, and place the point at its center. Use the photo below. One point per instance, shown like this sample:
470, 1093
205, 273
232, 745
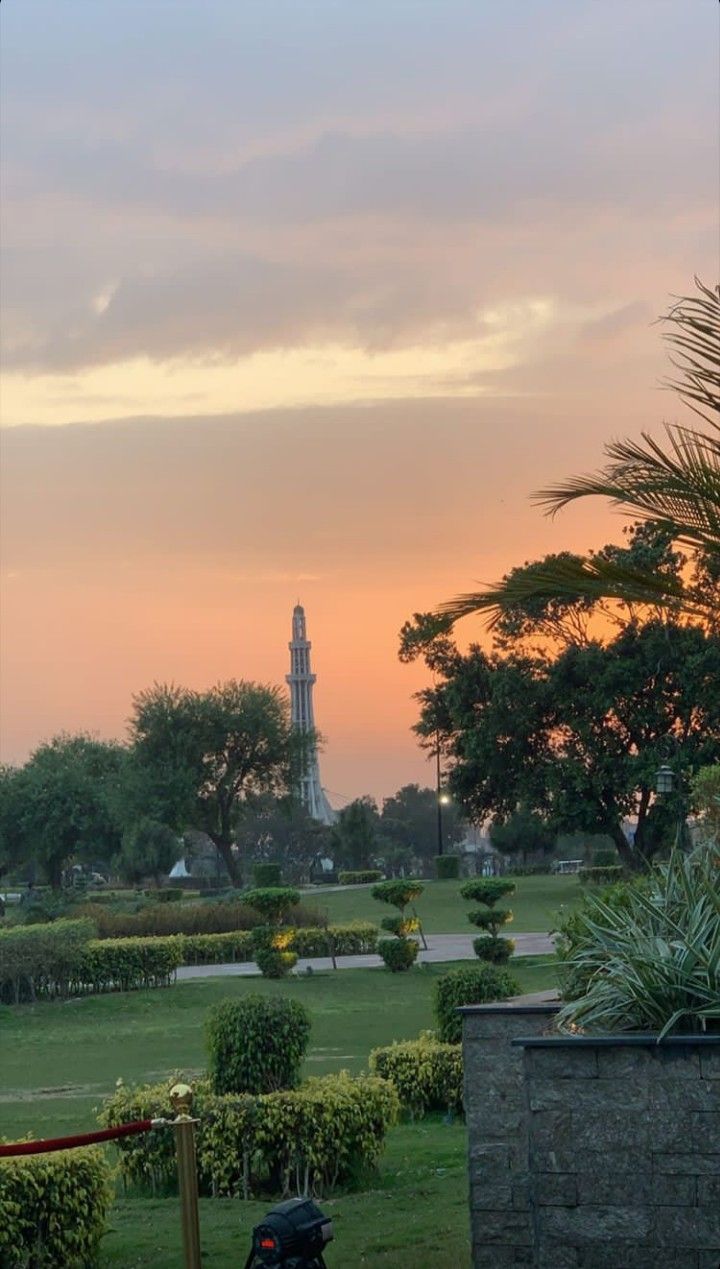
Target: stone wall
496, 1113
590, 1153
623, 1152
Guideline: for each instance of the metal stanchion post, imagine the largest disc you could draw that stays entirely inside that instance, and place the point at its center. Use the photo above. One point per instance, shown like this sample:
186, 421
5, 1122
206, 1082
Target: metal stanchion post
181, 1097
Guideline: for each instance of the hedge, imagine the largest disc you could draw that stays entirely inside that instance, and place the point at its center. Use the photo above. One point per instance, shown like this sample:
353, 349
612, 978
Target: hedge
53, 1209
187, 918
62, 958
427, 1074
257, 1044
357, 938
41, 960
306, 1140
127, 964
603, 876
363, 877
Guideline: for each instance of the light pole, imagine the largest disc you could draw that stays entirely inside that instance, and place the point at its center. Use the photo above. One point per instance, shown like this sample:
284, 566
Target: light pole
442, 798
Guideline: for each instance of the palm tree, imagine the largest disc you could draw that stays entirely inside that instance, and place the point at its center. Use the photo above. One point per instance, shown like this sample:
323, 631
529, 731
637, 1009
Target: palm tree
675, 483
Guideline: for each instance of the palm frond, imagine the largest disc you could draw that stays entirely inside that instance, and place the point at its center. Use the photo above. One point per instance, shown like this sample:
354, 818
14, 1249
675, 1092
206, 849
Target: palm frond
678, 485
591, 578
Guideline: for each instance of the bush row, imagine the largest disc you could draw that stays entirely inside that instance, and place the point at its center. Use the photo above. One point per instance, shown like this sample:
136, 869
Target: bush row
53, 1209
63, 958
606, 875
305, 1140
187, 918
362, 877
427, 1074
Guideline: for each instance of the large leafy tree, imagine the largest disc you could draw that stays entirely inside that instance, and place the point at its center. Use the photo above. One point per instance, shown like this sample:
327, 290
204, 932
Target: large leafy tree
577, 736
64, 804
674, 482
356, 838
409, 821
280, 830
199, 757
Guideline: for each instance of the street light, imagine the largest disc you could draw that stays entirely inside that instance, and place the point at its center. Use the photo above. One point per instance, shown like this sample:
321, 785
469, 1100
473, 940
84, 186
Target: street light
664, 779
665, 783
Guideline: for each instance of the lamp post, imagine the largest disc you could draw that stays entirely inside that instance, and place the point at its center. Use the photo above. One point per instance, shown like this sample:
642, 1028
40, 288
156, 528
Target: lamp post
665, 784
439, 798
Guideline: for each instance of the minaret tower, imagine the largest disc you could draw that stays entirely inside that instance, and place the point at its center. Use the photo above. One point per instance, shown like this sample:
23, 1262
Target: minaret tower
301, 681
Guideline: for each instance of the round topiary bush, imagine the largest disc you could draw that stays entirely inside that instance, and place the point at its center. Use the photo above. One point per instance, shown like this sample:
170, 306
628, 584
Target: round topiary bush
468, 985
495, 950
398, 954
257, 1044
273, 962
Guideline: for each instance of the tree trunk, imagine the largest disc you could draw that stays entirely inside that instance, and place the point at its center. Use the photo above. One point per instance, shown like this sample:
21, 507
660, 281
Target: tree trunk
229, 860
625, 850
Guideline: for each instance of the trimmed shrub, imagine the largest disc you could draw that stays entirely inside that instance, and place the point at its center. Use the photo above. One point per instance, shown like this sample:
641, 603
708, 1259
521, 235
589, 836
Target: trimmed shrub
447, 867
274, 962
306, 1140
427, 1074
487, 890
128, 964
265, 875
357, 938
216, 949
494, 950
188, 918
41, 960
170, 894
606, 875
468, 985
361, 877
53, 1209
257, 1044
398, 954
62, 958
399, 893
273, 903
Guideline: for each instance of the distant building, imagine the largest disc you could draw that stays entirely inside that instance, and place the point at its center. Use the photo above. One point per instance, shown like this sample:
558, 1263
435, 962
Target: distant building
301, 681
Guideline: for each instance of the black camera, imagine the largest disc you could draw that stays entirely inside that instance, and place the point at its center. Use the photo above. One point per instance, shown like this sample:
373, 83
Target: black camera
293, 1235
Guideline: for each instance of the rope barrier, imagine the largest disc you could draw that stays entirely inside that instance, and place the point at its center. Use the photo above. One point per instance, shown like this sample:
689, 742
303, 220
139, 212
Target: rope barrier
47, 1145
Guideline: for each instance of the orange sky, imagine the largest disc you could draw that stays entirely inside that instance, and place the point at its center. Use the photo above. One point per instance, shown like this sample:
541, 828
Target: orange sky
283, 323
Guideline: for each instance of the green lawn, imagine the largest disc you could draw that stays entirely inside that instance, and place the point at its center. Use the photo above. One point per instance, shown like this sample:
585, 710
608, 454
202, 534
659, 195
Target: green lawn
415, 1214
534, 904
58, 1060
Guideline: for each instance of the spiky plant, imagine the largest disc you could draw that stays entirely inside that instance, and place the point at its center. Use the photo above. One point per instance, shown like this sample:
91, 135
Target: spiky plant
647, 958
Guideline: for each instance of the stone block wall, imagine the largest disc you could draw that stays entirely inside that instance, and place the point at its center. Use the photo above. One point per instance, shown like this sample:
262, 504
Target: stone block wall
496, 1113
623, 1152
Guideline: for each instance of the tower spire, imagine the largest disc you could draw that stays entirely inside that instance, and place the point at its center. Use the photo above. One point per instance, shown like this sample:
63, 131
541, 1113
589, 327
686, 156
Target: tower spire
301, 681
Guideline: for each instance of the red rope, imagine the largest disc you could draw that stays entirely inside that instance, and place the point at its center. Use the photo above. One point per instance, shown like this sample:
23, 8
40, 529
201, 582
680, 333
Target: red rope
69, 1143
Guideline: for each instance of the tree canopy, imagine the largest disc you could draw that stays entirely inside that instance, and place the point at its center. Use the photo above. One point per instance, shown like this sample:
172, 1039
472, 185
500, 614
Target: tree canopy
200, 756
63, 804
578, 736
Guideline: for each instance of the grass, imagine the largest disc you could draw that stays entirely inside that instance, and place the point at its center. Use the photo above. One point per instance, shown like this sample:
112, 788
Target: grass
416, 1213
59, 1059
534, 905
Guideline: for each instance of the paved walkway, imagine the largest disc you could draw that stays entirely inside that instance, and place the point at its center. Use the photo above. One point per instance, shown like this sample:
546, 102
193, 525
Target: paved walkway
441, 947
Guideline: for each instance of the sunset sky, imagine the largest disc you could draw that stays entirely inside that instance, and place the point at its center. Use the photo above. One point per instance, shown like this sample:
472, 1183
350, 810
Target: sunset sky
301, 299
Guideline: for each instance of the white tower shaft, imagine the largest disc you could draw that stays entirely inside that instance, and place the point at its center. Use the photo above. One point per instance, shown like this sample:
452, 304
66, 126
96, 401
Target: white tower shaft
301, 681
